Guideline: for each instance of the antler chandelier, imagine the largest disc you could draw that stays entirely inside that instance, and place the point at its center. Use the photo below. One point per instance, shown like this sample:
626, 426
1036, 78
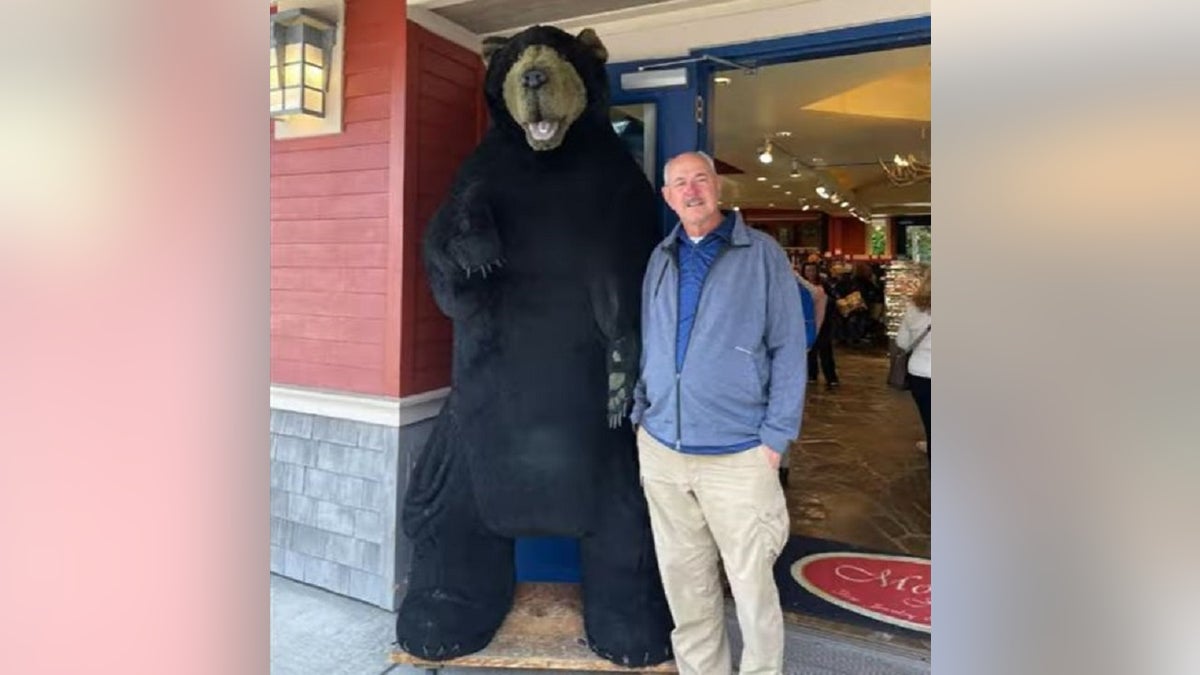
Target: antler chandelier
907, 170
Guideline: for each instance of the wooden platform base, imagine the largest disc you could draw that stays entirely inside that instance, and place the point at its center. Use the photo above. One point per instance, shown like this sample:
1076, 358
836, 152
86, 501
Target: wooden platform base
544, 631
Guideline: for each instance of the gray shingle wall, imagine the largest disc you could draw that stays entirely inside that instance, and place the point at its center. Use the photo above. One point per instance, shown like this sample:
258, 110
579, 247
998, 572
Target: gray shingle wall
337, 487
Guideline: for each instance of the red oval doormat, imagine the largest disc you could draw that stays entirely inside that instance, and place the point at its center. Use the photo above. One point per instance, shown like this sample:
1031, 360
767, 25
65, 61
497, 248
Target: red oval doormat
889, 588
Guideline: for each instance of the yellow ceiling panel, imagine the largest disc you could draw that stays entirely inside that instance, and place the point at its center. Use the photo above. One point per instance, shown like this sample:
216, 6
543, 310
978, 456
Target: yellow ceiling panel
904, 96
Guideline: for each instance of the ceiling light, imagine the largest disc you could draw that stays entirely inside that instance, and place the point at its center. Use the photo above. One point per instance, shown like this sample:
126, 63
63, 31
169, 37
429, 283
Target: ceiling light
783, 134
822, 191
805, 207
845, 204
835, 198
776, 186
787, 192
721, 79
764, 153
736, 207
761, 179
771, 205
795, 168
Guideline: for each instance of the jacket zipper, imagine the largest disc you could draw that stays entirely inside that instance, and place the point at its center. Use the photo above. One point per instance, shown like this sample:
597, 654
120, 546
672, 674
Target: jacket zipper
679, 372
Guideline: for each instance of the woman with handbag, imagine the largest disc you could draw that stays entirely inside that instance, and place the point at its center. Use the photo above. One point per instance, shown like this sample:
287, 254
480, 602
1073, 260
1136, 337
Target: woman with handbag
914, 337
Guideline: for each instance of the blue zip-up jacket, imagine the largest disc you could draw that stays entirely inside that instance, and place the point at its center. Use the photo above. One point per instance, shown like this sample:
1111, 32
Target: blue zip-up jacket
744, 374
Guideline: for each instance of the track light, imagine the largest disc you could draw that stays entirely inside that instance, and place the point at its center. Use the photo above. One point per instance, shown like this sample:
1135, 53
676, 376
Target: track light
764, 153
795, 168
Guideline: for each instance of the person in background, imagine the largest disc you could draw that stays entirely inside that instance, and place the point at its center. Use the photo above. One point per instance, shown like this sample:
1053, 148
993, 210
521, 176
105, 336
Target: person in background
813, 298
915, 334
822, 347
719, 400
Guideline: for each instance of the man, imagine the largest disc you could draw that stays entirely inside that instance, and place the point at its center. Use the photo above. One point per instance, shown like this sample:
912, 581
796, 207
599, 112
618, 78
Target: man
718, 401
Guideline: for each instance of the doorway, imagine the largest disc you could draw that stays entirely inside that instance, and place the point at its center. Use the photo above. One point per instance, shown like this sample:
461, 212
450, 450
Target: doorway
805, 132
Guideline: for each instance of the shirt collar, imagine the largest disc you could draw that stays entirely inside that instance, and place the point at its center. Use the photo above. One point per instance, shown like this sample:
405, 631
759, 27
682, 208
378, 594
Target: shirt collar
724, 231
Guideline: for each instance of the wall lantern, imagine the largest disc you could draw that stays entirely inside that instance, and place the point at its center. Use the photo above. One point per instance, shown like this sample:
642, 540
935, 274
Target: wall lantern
301, 55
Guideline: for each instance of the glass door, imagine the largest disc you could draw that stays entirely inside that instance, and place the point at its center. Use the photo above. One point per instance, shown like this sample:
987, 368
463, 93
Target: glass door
636, 125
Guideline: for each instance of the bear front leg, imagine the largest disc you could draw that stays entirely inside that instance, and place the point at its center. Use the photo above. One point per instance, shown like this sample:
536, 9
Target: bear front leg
615, 305
462, 250
474, 243
461, 583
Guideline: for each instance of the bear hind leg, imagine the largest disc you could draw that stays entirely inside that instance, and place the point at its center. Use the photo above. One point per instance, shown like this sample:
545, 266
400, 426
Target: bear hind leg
462, 576
625, 610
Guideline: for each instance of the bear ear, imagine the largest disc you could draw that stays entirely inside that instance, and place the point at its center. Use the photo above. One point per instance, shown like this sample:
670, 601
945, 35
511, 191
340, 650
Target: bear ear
588, 37
491, 45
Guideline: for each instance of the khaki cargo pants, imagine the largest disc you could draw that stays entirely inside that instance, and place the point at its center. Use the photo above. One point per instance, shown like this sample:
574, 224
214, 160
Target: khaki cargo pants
706, 509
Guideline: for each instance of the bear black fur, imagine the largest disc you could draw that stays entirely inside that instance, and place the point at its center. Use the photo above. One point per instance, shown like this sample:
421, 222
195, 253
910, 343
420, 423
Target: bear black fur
537, 256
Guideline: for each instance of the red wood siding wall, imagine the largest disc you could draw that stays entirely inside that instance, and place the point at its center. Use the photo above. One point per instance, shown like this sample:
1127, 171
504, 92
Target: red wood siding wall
445, 121
334, 298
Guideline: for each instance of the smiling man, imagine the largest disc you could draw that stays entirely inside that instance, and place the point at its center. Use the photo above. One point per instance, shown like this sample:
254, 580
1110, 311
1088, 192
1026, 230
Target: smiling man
718, 401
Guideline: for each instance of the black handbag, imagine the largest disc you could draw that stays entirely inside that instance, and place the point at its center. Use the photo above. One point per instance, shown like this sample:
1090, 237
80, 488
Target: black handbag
898, 358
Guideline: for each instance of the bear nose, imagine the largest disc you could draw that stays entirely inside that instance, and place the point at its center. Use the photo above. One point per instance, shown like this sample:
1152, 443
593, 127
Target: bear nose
533, 78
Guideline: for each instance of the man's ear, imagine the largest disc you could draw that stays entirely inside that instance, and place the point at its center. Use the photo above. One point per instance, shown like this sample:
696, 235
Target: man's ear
491, 45
592, 41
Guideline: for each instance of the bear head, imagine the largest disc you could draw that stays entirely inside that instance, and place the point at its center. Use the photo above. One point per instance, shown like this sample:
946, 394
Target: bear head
543, 82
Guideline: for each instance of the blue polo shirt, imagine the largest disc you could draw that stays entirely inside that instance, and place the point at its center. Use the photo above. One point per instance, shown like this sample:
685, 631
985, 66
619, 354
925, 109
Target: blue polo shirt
695, 259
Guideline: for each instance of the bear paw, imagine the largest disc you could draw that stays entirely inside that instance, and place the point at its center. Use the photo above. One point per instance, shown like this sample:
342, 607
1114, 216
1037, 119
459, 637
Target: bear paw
620, 393
437, 626
622, 377
636, 636
476, 252
649, 656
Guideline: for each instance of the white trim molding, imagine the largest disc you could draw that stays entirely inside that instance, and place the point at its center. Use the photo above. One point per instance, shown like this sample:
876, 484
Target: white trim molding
386, 410
445, 28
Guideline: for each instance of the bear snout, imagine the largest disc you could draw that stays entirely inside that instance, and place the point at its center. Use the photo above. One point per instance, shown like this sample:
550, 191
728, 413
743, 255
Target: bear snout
533, 78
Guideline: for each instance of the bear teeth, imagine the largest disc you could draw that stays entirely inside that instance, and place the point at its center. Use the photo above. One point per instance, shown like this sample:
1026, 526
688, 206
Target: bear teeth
543, 131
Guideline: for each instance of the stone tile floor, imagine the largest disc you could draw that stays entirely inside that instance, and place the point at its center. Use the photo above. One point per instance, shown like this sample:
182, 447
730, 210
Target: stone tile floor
856, 475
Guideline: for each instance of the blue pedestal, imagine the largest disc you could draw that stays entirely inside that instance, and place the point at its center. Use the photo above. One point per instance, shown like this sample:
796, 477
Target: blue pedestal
547, 559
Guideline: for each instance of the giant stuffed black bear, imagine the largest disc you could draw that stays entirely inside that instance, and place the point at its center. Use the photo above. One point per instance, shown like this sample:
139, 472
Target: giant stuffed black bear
537, 255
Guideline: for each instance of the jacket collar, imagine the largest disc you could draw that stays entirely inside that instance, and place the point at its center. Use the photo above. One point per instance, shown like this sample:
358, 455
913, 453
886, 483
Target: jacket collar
739, 237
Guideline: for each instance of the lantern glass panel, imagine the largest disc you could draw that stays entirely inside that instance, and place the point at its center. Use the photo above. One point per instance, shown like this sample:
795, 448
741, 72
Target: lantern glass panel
291, 52
314, 55
277, 100
314, 101
291, 98
291, 75
314, 76
274, 78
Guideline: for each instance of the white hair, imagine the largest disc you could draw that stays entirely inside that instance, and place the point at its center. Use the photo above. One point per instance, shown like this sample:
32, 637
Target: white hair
700, 153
